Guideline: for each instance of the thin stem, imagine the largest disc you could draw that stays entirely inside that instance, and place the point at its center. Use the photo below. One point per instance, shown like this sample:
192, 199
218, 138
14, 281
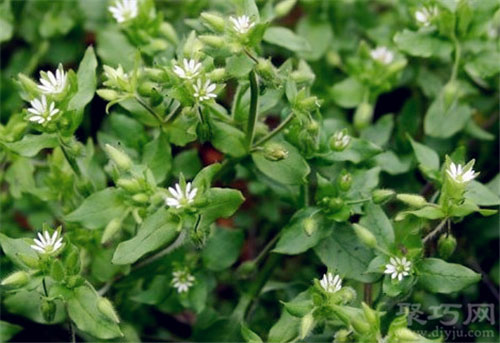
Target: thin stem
268, 247
254, 99
252, 57
72, 330
434, 232
149, 109
45, 287
277, 130
71, 160
458, 52
359, 201
176, 110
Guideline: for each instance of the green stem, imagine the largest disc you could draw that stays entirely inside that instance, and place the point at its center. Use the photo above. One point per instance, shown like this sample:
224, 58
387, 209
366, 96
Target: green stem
252, 57
359, 201
268, 246
149, 109
458, 52
434, 232
69, 157
252, 116
277, 130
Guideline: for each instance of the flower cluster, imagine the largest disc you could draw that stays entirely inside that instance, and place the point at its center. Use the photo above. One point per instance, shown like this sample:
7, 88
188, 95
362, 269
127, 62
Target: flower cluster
190, 70
242, 24
424, 15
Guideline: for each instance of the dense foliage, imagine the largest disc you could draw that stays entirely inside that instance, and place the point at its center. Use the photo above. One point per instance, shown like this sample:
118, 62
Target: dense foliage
249, 170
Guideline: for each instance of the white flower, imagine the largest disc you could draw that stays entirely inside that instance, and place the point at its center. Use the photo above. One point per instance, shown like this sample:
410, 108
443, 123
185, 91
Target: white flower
204, 91
124, 10
190, 70
331, 283
182, 280
340, 140
46, 244
425, 15
382, 54
459, 174
242, 24
39, 112
116, 78
398, 267
53, 84
181, 197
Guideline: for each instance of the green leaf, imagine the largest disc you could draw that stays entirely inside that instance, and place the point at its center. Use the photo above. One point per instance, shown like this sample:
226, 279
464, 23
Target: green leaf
114, 48
248, 335
318, 34
8, 330
83, 311
290, 171
484, 64
380, 132
348, 93
287, 39
221, 203
157, 155
442, 122
343, 252
481, 195
298, 308
157, 231
358, 151
222, 248
30, 145
87, 81
15, 247
427, 212
27, 304
186, 162
377, 222
426, 157
294, 239
393, 164
438, 276
422, 44
98, 209
239, 65
228, 139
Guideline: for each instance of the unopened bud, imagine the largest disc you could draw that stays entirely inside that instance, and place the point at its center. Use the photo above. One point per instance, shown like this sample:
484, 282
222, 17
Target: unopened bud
370, 315
306, 325
365, 236
155, 74
169, 32
360, 326
340, 140
405, 335
284, 7
119, 157
275, 152
213, 41
108, 94
213, 21
266, 69
105, 306
217, 74
380, 196
363, 115
130, 185
447, 244
345, 181
48, 309
412, 199
450, 93
140, 198
16, 279
334, 204
342, 336
309, 103
310, 226
146, 88
246, 269
111, 229
29, 261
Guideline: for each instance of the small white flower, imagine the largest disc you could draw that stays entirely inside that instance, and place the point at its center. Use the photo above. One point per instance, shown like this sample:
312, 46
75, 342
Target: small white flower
39, 112
458, 173
53, 84
190, 70
398, 268
182, 280
116, 78
425, 15
331, 283
181, 197
46, 244
204, 91
340, 140
242, 24
382, 54
124, 10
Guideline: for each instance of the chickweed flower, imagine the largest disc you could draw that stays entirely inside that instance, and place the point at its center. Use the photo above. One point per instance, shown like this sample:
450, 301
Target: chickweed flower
204, 91
116, 78
461, 174
340, 140
53, 84
124, 10
182, 280
47, 244
190, 70
424, 15
398, 268
331, 283
242, 24
382, 54
39, 112
181, 197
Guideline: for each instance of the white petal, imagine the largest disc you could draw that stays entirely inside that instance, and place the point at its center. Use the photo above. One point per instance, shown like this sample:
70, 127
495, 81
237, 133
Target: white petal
37, 248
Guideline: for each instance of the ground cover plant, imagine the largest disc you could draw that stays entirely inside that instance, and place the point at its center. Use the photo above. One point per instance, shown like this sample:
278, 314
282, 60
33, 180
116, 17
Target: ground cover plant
249, 170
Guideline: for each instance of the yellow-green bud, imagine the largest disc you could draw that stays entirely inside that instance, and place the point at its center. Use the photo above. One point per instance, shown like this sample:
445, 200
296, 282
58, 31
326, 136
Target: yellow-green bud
450, 93
29, 261
119, 157
309, 103
146, 88
405, 335
412, 199
282, 8
360, 326
345, 181
370, 315
16, 279
155, 74
246, 269
266, 69
275, 152
141, 198
340, 140
342, 336
334, 204
333, 58
380, 196
363, 115
28, 84
48, 309
365, 236
169, 32
306, 325
213, 21
217, 74
108, 94
105, 306
447, 244
301, 76
310, 226
111, 229
130, 185
213, 41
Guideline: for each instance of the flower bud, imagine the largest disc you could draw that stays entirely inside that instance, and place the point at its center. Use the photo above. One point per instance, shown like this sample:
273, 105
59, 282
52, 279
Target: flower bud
168, 31
345, 181
284, 7
360, 326
213, 41
302, 76
16, 279
155, 74
111, 229
130, 185
309, 103
108, 94
306, 325
275, 152
450, 93
74, 281
370, 315
310, 226
405, 335
412, 199
363, 115
246, 269
140, 198
333, 58
266, 69
446, 245
340, 140
119, 157
48, 309
380, 196
334, 204
365, 236
213, 21
105, 306
27, 84
342, 336
217, 74
29, 261
146, 88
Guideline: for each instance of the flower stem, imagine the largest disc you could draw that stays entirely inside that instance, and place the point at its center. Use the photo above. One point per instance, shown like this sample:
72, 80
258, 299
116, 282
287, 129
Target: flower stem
149, 109
358, 201
277, 130
69, 157
458, 52
252, 115
434, 232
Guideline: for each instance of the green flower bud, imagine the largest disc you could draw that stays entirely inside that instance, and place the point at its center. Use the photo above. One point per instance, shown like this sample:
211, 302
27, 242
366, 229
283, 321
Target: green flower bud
447, 244
306, 325
360, 326
275, 152
155, 74
48, 309
405, 335
347, 295
302, 76
146, 88
334, 204
345, 181
413, 200
130, 185
140, 198
333, 58
217, 74
16, 279
105, 306
342, 336
365, 236
111, 229
310, 226
213, 41
380, 196
213, 21
266, 70
27, 84
168, 32
246, 269
284, 7
74, 281
450, 93
108, 94
370, 315
363, 115
340, 140
309, 103
29, 261
119, 157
